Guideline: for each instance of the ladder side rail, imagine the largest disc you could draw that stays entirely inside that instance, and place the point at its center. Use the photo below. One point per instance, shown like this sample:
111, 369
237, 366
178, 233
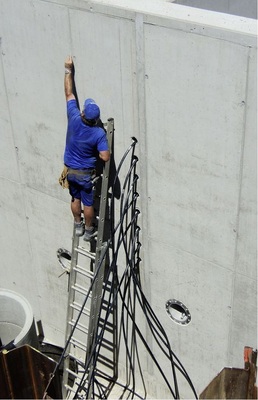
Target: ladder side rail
105, 183
97, 289
71, 297
98, 285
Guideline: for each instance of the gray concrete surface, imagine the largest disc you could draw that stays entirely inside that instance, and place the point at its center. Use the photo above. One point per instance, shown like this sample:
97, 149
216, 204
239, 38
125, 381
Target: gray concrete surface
17, 323
183, 81
246, 9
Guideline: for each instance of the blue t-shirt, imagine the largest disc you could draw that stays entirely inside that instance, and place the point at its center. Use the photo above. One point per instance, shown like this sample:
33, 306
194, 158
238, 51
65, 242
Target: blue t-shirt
83, 142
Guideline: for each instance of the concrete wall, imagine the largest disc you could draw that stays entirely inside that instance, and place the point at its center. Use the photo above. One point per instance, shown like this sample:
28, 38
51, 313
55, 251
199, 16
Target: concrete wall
181, 80
246, 8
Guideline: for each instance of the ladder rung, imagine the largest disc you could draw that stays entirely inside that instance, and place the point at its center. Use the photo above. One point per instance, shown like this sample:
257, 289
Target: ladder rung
78, 307
109, 348
85, 252
103, 374
73, 390
78, 361
76, 375
103, 322
84, 271
107, 328
107, 344
105, 361
80, 289
78, 343
79, 326
72, 373
68, 387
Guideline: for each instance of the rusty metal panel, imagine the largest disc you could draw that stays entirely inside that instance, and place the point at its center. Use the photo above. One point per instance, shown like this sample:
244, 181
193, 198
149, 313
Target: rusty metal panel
230, 383
25, 373
235, 383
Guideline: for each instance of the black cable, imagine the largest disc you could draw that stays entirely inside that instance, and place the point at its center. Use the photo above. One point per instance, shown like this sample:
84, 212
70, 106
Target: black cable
127, 290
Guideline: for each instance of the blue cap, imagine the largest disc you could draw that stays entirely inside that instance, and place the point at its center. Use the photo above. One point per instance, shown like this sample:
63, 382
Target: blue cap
91, 109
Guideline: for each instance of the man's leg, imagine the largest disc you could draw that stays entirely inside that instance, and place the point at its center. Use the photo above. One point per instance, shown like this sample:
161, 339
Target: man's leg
88, 216
76, 209
88, 210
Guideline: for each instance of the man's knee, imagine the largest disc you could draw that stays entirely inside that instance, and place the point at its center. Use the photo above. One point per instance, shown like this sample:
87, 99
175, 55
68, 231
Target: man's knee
75, 200
88, 209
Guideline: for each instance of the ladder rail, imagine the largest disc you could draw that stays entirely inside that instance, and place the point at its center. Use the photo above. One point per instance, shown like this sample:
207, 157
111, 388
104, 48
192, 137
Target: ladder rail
97, 287
71, 298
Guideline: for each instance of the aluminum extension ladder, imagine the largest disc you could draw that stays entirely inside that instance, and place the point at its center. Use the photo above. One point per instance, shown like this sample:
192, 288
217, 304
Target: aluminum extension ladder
85, 292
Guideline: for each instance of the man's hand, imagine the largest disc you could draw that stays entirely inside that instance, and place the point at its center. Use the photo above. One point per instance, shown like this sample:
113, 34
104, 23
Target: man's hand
69, 63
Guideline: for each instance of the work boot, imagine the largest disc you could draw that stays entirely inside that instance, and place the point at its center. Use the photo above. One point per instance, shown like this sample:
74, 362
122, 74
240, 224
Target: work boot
89, 234
79, 228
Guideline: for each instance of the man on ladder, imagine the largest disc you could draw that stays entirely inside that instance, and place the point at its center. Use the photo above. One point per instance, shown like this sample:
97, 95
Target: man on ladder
85, 141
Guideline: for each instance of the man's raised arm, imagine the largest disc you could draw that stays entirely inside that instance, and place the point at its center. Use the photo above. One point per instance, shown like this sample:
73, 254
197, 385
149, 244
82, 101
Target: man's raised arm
68, 79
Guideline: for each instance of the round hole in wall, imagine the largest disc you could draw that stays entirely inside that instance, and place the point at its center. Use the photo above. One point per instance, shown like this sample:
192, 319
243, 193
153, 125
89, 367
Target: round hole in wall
178, 312
64, 258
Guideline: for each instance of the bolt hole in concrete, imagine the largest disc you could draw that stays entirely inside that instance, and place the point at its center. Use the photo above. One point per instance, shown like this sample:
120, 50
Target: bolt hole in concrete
178, 312
64, 258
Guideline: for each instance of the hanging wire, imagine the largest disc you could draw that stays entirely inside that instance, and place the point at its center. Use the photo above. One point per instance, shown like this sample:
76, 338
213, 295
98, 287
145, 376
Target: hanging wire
126, 291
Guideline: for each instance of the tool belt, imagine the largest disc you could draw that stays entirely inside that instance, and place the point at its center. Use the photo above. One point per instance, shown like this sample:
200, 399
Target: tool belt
63, 178
85, 171
63, 181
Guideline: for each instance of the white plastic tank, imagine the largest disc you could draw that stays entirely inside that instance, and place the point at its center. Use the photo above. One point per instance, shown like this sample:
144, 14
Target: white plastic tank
17, 325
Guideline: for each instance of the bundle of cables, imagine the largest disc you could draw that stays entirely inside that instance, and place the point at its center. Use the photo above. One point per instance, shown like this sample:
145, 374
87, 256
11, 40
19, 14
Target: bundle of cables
122, 290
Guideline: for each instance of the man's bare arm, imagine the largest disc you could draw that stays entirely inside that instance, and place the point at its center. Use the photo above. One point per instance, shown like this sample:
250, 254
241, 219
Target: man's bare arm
68, 79
104, 155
